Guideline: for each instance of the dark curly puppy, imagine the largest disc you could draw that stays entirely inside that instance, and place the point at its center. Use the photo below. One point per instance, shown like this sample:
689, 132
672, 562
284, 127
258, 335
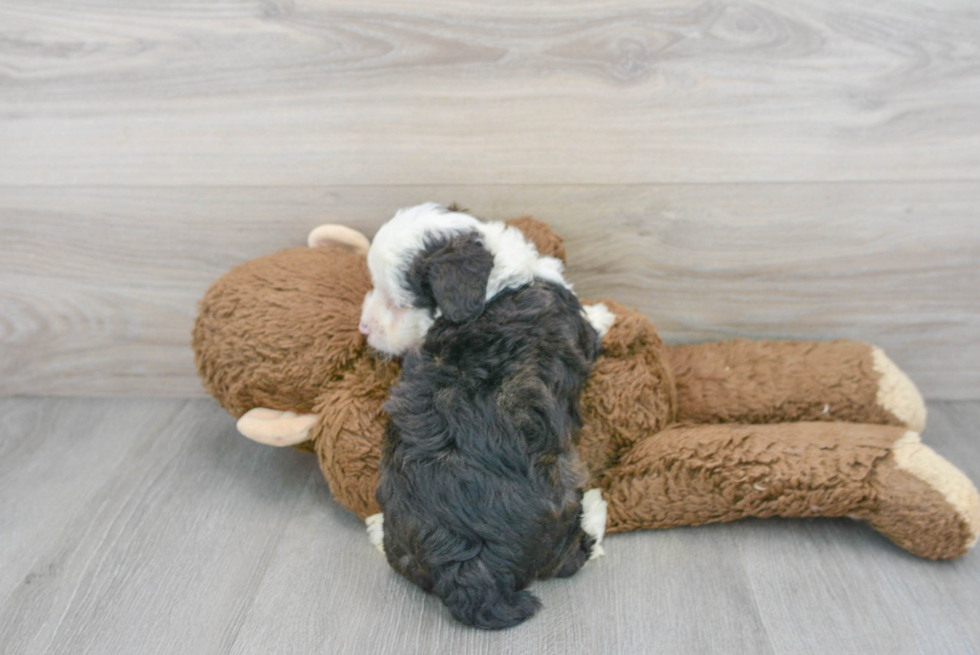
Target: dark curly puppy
480, 485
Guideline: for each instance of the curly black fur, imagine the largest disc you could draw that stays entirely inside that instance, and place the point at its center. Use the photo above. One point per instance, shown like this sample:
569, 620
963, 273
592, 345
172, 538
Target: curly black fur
450, 274
480, 484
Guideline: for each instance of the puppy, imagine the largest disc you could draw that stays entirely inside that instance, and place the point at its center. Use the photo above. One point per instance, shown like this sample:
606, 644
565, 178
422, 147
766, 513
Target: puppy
480, 484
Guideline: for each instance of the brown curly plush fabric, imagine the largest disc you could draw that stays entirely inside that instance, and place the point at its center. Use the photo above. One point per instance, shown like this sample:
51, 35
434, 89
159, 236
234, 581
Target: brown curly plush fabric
706, 474
276, 331
629, 394
673, 435
742, 381
349, 430
716, 473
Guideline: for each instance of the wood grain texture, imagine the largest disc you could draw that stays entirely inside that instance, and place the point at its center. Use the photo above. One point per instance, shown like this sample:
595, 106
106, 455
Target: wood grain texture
795, 169
307, 92
149, 526
871, 602
152, 552
98, 286
55, 456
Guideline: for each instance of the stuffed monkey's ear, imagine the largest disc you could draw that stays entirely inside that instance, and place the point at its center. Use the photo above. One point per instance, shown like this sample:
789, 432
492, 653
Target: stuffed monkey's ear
457, 275
275, 427
341, 236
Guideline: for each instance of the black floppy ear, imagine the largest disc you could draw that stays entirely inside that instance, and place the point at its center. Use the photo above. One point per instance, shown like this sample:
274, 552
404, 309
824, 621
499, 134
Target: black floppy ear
457, 275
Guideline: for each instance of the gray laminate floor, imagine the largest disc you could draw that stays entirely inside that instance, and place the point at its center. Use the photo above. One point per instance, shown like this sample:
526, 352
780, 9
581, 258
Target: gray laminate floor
149, 526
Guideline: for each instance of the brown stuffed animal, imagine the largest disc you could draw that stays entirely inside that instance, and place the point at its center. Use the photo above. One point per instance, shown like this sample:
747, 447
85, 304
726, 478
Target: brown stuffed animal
673, 435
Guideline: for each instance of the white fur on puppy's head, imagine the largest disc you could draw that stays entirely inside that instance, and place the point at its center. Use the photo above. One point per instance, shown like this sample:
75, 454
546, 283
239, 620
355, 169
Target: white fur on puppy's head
391, 317
394, 317
405, 235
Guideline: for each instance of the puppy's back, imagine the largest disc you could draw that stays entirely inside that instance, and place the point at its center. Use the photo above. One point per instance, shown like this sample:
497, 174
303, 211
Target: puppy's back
478, 470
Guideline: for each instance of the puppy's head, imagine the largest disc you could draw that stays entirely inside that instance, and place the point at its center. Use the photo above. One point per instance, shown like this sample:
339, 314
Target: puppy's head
426, 262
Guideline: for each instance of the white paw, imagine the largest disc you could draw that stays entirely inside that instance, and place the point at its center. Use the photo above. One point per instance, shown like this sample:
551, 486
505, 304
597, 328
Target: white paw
600, 317
376, 530
594, 520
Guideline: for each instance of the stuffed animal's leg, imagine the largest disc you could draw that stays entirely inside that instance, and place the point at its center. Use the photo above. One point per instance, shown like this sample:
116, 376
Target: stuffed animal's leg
743, 381
696, 474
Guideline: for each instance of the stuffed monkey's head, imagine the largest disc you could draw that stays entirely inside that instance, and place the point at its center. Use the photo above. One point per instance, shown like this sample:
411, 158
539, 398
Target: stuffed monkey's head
280, 330
277, 331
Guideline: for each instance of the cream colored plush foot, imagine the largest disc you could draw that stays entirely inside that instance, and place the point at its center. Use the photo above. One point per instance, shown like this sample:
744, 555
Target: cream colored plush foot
897, 393
376, 530
594, 520
914, 457
274, 427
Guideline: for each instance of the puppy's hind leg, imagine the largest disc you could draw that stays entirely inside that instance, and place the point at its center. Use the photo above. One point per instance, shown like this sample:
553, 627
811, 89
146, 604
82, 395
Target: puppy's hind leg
576, 554
478, 598
585, 541
594, 520
403, 562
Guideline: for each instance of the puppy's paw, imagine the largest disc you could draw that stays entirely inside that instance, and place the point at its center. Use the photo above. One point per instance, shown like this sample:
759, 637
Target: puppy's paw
600, 317
594, 520
504, 611
376, 530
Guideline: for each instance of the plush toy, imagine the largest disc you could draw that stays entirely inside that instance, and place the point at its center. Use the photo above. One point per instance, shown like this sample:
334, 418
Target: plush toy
673, 435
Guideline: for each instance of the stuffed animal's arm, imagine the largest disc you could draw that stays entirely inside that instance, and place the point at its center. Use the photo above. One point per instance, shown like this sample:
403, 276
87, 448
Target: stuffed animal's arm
743, 381
696, 474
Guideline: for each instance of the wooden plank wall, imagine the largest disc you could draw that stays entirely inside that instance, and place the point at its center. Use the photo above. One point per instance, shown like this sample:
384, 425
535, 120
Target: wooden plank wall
795, 169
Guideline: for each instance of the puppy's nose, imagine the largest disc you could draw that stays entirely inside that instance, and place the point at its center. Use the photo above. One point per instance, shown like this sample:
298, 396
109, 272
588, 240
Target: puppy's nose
364, 329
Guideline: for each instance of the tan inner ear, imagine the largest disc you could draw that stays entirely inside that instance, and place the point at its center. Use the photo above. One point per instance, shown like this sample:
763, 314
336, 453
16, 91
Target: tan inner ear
339, 235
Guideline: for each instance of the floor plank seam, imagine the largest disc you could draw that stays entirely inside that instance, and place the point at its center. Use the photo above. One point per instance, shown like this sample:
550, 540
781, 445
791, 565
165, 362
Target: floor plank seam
231, 638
